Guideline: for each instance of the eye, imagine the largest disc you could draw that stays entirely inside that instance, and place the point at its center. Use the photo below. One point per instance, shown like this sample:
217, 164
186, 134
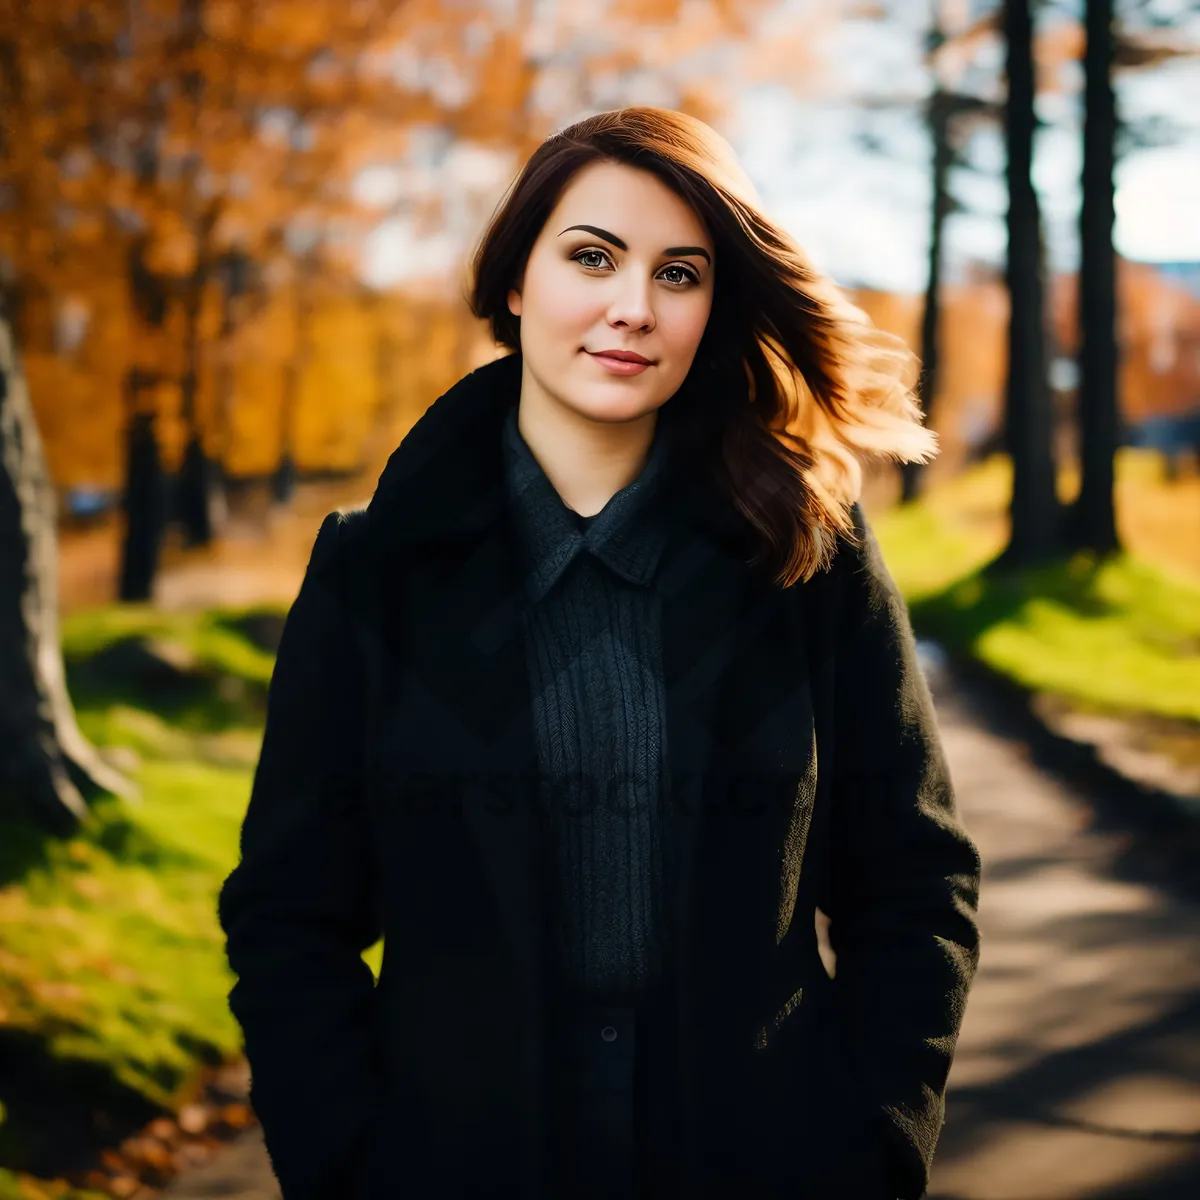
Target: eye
689, 276
586, 254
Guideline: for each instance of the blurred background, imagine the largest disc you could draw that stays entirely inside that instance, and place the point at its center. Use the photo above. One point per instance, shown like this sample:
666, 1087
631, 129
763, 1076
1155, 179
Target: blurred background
234, 238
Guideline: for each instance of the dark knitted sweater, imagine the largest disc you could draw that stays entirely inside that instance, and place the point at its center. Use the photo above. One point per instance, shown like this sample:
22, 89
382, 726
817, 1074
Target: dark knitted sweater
591, 624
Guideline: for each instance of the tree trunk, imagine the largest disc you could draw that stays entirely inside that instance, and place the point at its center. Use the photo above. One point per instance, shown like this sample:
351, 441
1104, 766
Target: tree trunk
200, 502
44, 759
939, 130
1092, 523
1029, 420
146, 500
284, 480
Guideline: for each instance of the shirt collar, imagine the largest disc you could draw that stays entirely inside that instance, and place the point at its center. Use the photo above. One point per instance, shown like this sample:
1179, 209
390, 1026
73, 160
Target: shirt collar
628, 534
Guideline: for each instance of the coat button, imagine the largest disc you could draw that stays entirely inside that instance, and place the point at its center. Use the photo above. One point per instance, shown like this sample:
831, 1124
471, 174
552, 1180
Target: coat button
608, 1033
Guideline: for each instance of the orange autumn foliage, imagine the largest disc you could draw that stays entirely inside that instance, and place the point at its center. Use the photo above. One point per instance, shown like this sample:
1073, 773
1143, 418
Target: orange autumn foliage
207, 126
151, 140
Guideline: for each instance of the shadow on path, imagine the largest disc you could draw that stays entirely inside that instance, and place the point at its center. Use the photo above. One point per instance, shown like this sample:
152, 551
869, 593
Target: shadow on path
1077, 1074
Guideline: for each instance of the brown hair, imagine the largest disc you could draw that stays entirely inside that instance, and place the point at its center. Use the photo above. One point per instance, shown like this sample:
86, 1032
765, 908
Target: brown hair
791, 382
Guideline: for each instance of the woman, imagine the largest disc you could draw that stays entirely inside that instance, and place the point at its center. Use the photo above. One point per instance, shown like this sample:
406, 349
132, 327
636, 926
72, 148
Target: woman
602, 697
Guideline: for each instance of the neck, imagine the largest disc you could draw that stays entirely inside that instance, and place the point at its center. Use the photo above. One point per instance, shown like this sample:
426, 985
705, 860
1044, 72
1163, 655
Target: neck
586, 461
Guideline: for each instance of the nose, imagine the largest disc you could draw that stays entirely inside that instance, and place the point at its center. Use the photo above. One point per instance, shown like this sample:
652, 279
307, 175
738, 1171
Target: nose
632, 305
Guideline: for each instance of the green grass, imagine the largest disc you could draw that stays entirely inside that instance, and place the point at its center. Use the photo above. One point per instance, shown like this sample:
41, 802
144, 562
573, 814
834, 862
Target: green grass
1118, 635
111, 943
112, 961
214, 637
944, 536
14, 1186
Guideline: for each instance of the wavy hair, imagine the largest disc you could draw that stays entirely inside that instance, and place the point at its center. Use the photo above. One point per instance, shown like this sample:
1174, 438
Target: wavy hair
791, 384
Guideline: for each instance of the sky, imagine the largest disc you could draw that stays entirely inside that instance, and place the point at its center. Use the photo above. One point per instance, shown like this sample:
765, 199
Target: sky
841, 157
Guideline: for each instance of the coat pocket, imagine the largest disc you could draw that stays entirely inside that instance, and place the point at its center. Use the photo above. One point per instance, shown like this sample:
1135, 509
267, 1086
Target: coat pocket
823, 1136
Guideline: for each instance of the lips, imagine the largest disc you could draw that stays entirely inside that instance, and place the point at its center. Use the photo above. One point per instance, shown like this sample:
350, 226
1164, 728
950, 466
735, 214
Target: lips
621, 356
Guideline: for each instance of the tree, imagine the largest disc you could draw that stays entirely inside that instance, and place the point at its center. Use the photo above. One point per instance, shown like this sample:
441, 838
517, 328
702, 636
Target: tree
944, 109
1091, 519
46, 765
1036, 521
44, 759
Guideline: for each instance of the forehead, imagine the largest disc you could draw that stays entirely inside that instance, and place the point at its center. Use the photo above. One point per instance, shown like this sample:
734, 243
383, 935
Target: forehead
644, 206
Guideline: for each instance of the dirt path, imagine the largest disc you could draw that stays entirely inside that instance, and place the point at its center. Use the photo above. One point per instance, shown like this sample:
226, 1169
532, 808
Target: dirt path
1077, 1075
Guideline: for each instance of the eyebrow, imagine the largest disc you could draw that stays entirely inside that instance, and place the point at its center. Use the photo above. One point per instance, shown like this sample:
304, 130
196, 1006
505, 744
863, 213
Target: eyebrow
620, 245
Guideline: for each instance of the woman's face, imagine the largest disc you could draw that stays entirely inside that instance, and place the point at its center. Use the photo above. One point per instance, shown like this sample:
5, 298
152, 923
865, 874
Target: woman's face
640, 279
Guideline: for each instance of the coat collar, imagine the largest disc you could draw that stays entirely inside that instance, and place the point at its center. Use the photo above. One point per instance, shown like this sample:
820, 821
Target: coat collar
445, 482
628, 535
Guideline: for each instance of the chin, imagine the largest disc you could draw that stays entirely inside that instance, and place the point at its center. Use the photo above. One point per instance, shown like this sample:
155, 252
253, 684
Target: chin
612, 408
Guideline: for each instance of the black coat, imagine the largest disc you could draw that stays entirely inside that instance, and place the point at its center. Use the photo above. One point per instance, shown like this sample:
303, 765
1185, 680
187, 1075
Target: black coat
392, 797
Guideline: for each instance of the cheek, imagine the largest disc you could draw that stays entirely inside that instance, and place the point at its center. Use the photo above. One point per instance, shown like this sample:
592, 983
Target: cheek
689, 326
563, 305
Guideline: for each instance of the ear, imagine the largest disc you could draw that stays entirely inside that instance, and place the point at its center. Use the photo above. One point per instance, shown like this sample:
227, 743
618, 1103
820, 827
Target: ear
514, 302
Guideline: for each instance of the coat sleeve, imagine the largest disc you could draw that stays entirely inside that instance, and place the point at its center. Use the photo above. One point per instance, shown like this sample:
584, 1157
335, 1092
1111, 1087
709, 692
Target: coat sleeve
905, 874
299, 909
